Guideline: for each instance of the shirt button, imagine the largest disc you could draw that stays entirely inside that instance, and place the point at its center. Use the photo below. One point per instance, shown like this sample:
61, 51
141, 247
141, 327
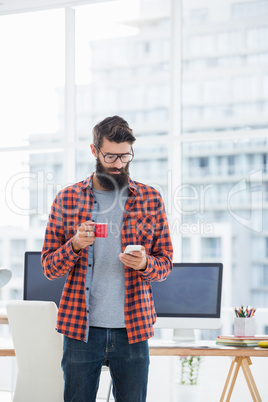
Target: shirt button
87, 288
89, 265
95, 202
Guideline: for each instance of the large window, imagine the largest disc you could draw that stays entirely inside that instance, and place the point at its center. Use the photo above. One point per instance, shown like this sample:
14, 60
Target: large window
32, 75
224, 143
189, 77
126, 72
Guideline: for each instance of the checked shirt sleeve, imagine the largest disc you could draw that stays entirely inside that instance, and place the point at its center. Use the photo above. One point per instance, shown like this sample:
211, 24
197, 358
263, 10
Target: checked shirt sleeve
159, 260
58, 257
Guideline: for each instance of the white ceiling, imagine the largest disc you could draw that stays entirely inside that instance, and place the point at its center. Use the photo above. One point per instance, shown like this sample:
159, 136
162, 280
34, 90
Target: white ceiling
18, 6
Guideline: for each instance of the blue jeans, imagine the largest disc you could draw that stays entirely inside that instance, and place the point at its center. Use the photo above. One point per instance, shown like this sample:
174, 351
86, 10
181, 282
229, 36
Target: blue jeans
128, 365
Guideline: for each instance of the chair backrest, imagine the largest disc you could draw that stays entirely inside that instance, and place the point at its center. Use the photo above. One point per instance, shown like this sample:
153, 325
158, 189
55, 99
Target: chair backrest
38, 348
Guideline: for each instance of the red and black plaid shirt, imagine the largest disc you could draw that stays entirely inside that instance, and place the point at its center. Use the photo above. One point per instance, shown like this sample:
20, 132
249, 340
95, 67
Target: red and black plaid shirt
144, 223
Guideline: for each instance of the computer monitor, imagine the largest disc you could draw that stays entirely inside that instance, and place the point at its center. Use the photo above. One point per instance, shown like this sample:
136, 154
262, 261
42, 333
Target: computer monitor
36, 285
190, 298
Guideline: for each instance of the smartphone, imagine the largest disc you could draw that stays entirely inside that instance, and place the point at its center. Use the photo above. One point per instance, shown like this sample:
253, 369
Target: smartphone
132, 247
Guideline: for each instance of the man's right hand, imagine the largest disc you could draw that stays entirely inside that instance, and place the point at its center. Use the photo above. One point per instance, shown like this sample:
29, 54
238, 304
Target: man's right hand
85, 236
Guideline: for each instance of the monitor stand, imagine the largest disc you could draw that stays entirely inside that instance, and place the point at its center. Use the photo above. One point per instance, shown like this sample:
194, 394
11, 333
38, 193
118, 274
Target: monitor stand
183, 335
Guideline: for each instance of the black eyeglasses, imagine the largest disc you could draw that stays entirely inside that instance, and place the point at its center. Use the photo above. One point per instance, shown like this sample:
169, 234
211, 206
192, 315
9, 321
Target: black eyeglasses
112, 158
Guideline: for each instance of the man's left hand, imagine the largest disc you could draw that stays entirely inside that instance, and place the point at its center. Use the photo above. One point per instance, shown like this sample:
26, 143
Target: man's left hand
136, 259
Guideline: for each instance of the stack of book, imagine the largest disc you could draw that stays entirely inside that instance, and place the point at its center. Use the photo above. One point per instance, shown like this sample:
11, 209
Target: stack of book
232, 340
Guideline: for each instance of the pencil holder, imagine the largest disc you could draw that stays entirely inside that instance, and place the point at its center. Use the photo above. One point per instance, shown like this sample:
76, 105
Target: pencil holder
244, 326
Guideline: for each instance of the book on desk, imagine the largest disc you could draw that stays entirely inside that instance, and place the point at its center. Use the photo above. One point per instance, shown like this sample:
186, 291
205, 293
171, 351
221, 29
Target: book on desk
232, 340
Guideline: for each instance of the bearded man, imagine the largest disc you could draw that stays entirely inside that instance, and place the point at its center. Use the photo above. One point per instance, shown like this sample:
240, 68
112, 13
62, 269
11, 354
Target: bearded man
106, 312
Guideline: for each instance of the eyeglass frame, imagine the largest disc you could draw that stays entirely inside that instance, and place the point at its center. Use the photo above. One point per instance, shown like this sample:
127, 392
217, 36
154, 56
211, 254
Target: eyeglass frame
117, 156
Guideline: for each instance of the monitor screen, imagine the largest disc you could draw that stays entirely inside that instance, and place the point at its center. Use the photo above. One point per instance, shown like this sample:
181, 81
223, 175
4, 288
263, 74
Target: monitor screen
36, 285
190, 297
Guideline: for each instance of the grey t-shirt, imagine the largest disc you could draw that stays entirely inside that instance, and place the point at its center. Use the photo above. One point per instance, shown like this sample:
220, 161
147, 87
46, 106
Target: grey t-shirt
107, 290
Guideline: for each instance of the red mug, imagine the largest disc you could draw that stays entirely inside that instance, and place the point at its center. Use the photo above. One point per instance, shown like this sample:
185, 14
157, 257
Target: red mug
101, 229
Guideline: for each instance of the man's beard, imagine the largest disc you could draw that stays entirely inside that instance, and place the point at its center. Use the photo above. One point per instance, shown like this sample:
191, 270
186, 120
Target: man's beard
111, 181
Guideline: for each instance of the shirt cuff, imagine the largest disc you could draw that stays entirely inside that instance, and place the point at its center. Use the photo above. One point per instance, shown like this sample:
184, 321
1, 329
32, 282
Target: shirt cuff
70, 252
147, 273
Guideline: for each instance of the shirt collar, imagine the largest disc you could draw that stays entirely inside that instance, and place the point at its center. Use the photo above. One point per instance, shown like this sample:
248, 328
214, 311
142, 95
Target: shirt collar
87, 183
133, 186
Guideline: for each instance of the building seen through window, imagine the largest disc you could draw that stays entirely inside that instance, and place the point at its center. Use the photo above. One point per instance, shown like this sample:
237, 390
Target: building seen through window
124, 67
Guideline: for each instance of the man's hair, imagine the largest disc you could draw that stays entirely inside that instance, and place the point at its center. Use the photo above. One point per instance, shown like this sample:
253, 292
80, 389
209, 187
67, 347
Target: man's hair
114, 129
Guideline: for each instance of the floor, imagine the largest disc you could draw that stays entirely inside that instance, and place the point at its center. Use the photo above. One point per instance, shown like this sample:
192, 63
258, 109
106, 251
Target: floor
5, 396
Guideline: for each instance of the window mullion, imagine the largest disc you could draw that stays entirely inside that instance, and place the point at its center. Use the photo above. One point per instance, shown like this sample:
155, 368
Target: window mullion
69, 117
175, 160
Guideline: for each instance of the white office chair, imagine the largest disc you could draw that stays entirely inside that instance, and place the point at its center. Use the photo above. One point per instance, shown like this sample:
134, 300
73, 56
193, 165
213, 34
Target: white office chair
38, 348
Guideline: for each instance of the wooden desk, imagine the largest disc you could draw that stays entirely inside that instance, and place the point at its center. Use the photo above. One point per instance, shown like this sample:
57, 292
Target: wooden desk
241, 358
6, 350
3, 318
